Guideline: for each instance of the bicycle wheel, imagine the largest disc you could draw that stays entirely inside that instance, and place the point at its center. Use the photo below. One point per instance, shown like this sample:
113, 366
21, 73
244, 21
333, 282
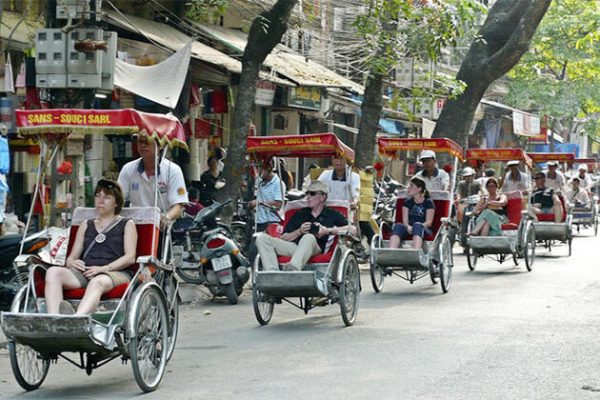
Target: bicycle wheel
446, 264
349, 290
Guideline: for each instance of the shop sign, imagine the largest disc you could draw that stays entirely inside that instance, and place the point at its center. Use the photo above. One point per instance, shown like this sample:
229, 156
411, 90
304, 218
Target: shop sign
525, 124
308, 98
543, 135
265, 93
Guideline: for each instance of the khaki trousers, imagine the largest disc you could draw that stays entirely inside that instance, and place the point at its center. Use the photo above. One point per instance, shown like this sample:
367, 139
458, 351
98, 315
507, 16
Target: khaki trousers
269, 248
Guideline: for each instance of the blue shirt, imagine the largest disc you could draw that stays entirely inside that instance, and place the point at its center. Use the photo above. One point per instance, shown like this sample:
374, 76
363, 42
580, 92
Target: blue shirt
417, 211
267, 192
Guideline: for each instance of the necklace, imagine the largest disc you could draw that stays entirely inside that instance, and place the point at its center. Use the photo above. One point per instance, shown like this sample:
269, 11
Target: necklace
101, 237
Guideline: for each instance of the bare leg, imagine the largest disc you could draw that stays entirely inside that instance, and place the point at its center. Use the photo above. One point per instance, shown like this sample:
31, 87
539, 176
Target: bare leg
394, 242
558, 212
99, 285
57, 279
477, 230
417, 242
485, 229
460, 212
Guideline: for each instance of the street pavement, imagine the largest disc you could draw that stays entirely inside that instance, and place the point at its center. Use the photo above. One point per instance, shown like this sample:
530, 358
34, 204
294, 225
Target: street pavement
500, 333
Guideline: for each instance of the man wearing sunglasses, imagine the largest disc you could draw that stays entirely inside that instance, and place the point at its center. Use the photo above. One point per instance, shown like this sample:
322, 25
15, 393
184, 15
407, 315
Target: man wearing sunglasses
139, 178
306, 234
544, 200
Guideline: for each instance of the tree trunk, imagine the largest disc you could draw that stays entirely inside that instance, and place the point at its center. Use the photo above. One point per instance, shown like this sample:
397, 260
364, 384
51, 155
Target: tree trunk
369, 123
265, 33
502, 40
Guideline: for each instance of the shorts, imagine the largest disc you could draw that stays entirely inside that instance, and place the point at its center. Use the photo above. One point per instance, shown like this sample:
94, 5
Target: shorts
547, 210
418, 230
117, 277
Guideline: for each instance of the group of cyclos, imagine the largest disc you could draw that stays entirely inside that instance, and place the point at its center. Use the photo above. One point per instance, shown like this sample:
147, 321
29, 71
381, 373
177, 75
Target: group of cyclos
310, 256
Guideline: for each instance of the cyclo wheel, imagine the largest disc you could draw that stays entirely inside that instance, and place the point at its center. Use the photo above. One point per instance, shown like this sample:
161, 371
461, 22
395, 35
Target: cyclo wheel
446, 263
148, 343
529, 248
193, 276
28, 366
471, 258
349, 290
595, 224
376, 272
173, 307
263, 308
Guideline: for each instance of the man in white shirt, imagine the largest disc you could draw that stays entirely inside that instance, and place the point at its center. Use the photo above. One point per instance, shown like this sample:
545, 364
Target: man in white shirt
139, 177
577, 197
514, 179
435, 178
554, 178
341, 186
585, 179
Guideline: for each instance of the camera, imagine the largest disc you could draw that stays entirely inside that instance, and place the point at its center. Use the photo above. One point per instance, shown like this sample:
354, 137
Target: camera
314, 229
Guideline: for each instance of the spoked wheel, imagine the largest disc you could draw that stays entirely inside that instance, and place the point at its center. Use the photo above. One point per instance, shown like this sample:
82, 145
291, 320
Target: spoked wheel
29, 368
471, 258
189, 274
148, 345
377, 277
446, 264
433, 276
596, 225
263, 308
529, 248
173, 322
349, 290
570, 243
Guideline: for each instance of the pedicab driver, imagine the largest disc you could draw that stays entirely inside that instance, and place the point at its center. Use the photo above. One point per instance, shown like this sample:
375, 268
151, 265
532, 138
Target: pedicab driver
139, 177
309, 232
514, 180
435, 178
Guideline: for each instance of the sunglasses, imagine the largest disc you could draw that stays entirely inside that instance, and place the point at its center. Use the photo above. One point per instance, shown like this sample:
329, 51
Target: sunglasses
313, 193
105, 184
539, 177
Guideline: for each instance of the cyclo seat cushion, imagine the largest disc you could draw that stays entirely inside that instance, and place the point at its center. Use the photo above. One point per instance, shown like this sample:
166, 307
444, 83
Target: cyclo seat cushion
146, 228
292, 207
550, 217
513, 213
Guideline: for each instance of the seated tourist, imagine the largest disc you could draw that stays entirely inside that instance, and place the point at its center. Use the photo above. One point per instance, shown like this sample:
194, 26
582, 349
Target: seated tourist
544, 200
490, 211
103, 251
417, 216
577, 197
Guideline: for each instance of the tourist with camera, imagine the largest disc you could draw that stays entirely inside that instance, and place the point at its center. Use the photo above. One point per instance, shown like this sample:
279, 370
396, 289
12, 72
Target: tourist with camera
310, 231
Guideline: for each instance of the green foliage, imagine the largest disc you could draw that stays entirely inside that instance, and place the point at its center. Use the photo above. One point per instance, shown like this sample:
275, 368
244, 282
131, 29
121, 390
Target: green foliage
560, 75
206, 10
394, 29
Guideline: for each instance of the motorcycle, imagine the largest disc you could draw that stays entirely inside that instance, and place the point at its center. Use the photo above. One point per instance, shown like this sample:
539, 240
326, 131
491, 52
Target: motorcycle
12, 277
206, 253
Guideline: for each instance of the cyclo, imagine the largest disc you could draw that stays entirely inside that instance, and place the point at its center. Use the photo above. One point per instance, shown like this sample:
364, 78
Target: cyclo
135, 321
435, 259
331, 277
547, 230
518, 236
588, 217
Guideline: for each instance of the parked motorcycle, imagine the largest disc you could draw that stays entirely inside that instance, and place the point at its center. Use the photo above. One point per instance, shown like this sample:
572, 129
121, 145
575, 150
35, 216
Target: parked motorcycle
11, 276
205, 253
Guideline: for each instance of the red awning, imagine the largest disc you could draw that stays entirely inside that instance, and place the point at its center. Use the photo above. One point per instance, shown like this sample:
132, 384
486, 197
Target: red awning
543, 157
499, 155
313, 145
390, 146
166, 128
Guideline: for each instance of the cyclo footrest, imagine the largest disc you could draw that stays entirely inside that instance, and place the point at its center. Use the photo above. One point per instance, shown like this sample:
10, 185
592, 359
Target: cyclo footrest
292, 283
404, 258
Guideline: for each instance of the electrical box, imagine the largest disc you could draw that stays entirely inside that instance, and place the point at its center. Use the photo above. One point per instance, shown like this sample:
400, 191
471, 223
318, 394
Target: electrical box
82, 58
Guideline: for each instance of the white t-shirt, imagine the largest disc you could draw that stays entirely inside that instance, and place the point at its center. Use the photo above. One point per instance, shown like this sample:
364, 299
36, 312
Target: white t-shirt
580, 197
439, 181
523, 184
585, 182
139, 188
340, 190
557, 183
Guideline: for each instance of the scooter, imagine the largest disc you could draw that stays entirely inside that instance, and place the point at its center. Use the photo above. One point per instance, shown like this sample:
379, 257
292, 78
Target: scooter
11, 276
205, 253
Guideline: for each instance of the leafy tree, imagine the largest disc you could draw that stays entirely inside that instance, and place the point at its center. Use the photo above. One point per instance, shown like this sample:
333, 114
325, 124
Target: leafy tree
266, 32
393, 30
502, 40
206, 10
560, 76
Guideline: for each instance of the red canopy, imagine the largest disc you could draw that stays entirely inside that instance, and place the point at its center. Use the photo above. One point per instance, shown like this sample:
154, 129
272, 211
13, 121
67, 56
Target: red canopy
543, 157
390, 146
313, 145
166, 128
590, 162
499, 155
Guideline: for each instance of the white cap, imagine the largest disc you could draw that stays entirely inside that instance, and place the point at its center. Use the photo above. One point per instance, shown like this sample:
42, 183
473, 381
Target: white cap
552, 163
427, 154
583, 167
512, 162
467, 171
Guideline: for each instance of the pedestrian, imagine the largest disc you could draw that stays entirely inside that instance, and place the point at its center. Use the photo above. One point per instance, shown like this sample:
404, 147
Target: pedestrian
210, 182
